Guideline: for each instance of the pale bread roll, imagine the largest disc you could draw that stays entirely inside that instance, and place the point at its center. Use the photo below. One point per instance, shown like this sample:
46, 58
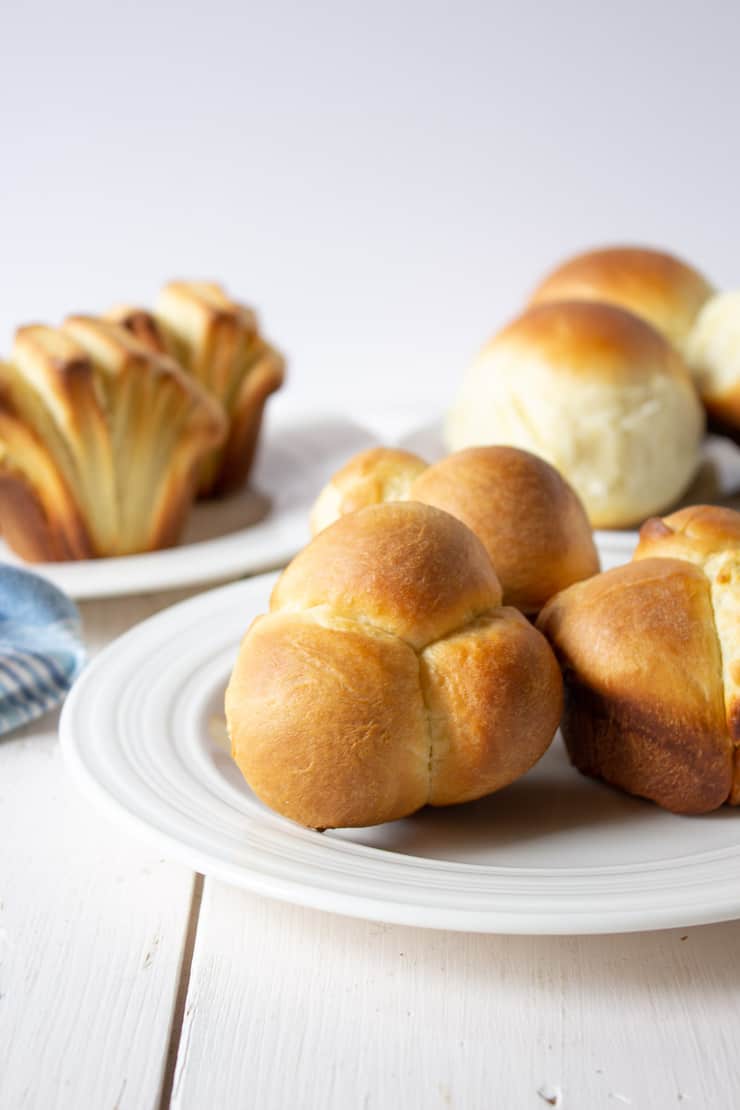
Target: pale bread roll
677, 300
596, 392
713, 354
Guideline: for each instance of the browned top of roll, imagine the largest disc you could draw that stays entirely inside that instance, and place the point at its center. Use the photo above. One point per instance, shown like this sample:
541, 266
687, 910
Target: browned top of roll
369, 478
406, 568
657, 286
529, 519
694, 533
642, 661
590, 339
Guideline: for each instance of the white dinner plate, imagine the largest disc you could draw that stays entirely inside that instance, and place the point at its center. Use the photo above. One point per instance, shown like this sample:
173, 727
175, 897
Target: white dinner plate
718, 481
257, 529
555, 852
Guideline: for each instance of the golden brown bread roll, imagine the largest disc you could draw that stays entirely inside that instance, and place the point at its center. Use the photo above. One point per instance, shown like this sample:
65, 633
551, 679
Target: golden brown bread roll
217, 340
387, 676
100, 440
528, 518
596, 392
709, 536
657, 286
650, 653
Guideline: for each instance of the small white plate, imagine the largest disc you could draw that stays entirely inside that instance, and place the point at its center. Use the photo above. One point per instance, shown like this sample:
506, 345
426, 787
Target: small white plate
143, 733
260, 528
718, 480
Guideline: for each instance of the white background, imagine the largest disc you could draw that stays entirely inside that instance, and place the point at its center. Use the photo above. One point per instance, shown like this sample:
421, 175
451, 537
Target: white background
384, 181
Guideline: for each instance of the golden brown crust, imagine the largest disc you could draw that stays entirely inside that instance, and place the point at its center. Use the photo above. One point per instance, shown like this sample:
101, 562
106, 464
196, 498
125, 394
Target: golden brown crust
693, 533
216, 339
369, 478
238, 453
723, 410
709, 537
654, 285
32, 532
484, 737
530, 521
334, 716
406, 568
528, 518
143, 326
39, 516
592, 340
327, 722
643, 678
151, 401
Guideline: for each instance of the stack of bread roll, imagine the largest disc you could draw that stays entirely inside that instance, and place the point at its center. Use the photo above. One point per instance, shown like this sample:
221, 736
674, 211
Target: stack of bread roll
110, 426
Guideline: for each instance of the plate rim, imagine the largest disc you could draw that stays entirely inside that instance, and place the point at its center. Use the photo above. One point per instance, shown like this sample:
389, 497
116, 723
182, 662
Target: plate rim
368, 907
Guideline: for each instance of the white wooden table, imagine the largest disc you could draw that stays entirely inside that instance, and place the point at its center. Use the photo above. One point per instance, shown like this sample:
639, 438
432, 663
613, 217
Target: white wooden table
128, 982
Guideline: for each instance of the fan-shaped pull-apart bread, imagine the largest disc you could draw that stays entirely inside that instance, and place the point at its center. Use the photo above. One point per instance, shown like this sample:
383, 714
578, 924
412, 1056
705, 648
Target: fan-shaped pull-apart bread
387, 676
528, 518
651, 660
100, 441
217, 340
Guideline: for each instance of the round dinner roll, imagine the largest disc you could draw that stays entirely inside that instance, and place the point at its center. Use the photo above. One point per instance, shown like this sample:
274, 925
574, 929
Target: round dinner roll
529, 519
596, 392
657, 286
369, 478
651, 659
387, 676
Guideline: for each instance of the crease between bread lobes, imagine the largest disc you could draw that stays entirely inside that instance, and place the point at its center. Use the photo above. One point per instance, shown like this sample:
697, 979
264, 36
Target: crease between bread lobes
599, 394
528, 518
100, 441
676, 299
387, 676
217, 340
651, 659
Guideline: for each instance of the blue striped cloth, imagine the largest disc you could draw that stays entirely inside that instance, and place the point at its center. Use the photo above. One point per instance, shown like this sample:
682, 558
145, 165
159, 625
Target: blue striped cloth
41, 649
